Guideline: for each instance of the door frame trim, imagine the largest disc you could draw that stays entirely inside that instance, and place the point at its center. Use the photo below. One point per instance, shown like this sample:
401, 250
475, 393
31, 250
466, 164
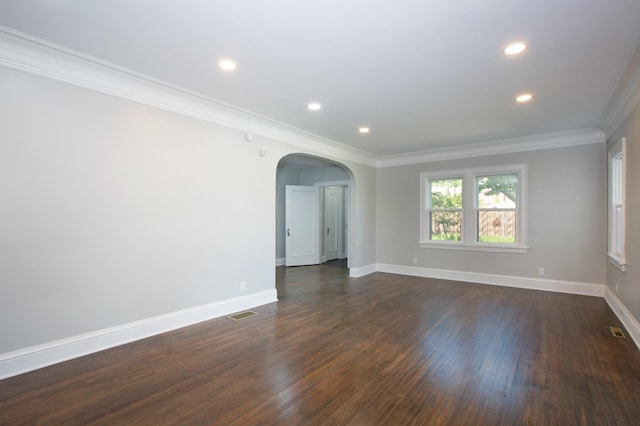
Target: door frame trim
346, 206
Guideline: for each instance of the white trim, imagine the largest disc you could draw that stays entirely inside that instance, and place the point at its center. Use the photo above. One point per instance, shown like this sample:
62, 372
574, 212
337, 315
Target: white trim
280, 261
617, 228
35, 357
617, 262
345, 182
571, 287
503, 146
362, 271
624, 315
30, 54
445, 245
469, 209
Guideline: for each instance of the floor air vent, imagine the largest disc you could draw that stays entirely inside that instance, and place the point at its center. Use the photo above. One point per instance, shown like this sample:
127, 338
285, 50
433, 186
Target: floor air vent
617, 332
242, 315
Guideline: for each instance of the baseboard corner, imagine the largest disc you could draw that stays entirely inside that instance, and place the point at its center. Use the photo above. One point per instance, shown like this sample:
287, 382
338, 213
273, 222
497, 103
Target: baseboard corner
362, 271
624, 315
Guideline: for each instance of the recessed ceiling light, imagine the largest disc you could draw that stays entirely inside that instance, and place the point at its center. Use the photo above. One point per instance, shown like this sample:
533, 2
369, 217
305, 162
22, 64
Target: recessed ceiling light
515, 48
364, 130
314, 106
525, 97
227, 64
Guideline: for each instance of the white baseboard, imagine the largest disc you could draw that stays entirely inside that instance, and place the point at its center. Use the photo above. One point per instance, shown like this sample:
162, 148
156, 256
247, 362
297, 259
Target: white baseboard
623, 314
35, 357
584, 289
362, 271
280, 261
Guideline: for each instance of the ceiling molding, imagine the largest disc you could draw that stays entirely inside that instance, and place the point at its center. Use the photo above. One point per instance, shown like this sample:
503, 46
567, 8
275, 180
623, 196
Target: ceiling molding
29, 54
503, 146
26, 53
624, 98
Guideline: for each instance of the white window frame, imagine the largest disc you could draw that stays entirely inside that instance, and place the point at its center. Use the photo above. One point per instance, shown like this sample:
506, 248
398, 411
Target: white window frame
469, 210
429, 209
617, 199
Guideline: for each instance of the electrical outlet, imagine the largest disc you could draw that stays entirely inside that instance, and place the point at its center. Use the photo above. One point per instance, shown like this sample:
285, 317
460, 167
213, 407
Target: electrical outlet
243, 286
541, 271
415, 260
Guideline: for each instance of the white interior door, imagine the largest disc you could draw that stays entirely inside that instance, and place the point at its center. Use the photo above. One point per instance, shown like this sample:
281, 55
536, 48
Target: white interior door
332, 222
302, 238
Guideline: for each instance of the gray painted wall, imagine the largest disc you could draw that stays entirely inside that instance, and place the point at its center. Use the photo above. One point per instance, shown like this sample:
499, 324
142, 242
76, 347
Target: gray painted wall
629, 281
566, 211
112, 211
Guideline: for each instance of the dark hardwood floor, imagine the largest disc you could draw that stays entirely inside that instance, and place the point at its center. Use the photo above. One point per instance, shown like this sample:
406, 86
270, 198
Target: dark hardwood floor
382, 349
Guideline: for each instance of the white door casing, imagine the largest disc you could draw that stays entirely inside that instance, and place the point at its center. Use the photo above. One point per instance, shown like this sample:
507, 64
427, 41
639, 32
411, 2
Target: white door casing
346, 205
332, 230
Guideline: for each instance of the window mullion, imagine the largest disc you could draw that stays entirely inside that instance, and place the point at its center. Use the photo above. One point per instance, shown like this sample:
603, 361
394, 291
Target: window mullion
469, 209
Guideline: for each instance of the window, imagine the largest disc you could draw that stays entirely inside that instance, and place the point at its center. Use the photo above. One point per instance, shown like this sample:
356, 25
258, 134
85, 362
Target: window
474, 209
445, 209
496, 211
617, 178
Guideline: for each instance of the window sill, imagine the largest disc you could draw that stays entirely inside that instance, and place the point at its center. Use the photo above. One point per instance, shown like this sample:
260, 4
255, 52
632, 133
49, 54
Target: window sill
617, 262
473, 247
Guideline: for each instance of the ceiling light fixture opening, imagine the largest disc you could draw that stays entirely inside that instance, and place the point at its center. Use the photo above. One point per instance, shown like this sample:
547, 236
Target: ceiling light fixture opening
314, 106
515, 48
364, 130
525, 97
227, 64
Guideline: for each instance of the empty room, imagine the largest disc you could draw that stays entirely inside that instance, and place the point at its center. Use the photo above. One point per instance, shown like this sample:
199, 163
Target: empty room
338, 212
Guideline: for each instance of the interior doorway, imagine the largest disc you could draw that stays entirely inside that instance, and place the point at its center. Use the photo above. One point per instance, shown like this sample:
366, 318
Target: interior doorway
335, 219
313, 212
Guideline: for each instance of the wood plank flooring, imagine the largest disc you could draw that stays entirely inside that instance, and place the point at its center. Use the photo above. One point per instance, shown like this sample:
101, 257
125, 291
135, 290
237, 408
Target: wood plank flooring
378, 350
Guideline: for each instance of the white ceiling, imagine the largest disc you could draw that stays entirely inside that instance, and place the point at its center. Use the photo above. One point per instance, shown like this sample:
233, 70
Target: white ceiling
422, 74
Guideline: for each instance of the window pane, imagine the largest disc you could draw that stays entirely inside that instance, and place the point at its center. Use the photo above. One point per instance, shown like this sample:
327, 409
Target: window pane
617, 180
497, 191
446, 226
616, 218
617, 237
497, 226
446, 193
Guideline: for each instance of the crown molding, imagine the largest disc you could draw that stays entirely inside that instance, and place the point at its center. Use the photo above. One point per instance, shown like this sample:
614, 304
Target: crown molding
29, 54
625, 97
503, 146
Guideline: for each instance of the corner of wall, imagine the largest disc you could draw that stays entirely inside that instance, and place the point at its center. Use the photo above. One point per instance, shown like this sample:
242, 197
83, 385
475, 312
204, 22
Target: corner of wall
624, 315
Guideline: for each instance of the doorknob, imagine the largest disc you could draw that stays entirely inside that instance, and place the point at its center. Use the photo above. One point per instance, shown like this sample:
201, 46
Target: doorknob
327, 231
288, 232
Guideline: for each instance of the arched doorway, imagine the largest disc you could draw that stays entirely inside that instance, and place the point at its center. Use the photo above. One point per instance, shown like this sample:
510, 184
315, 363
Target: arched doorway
333, 184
